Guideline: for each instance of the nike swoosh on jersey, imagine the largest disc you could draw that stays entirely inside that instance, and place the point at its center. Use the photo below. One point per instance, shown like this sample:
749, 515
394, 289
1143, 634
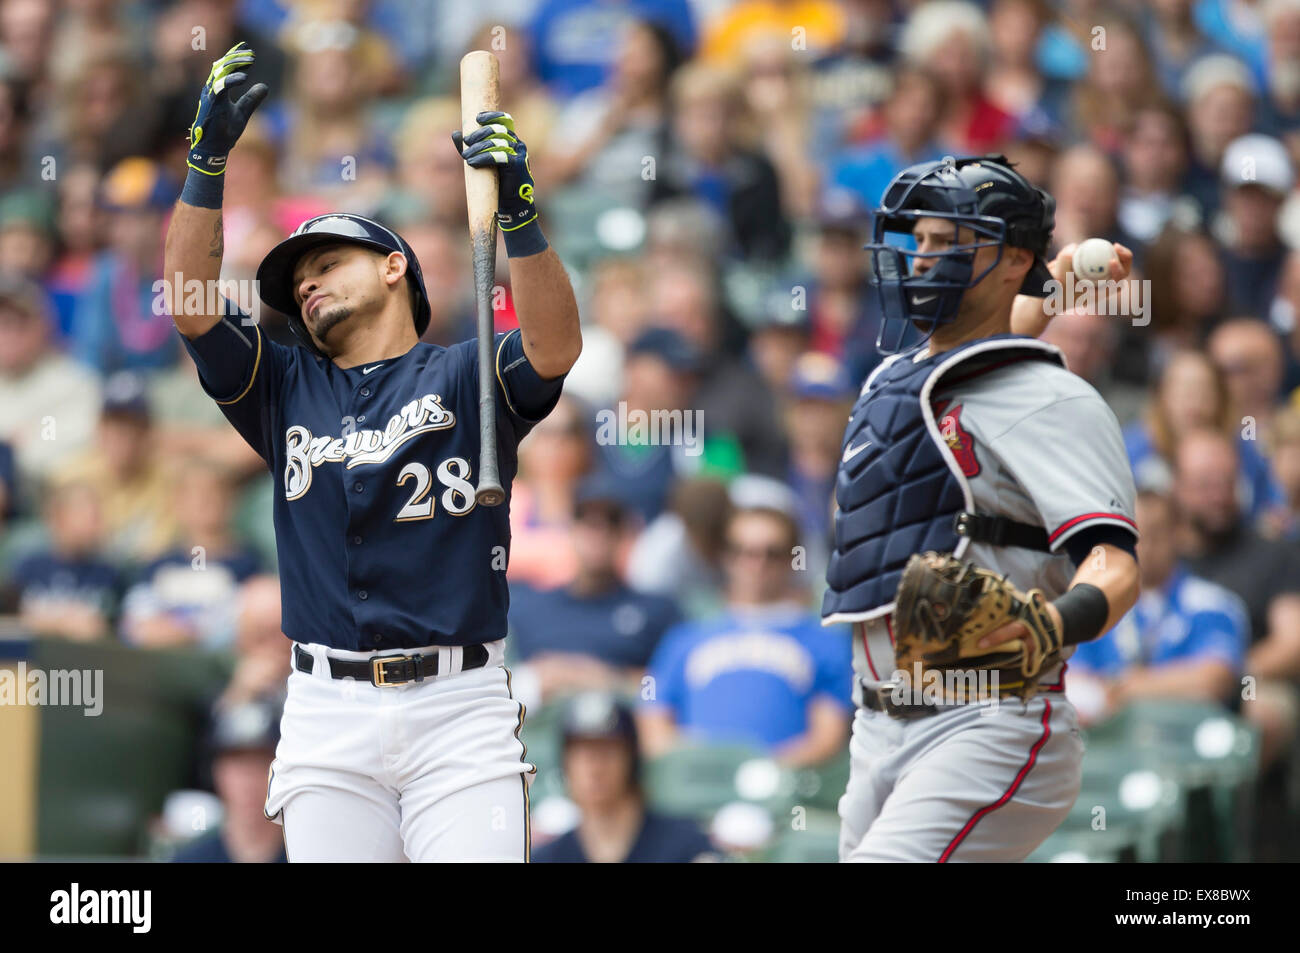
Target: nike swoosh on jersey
851, 451
372, 367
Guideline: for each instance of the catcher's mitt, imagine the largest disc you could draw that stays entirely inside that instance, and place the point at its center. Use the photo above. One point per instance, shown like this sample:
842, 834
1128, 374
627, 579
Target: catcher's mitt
945, 606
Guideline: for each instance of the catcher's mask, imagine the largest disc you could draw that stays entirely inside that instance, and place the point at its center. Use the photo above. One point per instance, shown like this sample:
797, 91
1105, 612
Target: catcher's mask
981, 193
275, 273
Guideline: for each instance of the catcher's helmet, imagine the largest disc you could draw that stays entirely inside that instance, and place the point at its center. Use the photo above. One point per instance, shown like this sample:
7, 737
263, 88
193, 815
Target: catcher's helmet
981, 193
275, 273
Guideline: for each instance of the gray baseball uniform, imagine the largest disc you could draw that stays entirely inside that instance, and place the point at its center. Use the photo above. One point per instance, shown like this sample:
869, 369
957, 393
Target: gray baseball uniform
1038, 445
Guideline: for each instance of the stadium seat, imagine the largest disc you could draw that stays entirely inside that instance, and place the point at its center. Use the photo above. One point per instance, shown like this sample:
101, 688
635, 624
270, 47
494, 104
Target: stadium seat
697, 780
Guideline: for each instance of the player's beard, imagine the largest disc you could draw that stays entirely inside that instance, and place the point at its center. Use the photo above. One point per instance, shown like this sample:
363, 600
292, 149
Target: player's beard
328, 317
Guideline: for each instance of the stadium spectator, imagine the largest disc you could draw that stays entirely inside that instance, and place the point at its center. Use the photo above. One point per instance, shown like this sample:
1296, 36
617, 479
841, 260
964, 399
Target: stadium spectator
819, 396
242, 745
121, 321
187, 596
1257, 175
729, 395
1286, 469
1175, 42
1188, 293
1249, 355
1219, 94
602, 773
1154, 156
950, 39
710, 158
1280, 108
551, 463
1014, 82
1217, 545
261, 649
1120, 81
129, 473
1085, 184
594, 632
602, 138
48, 402
1192, 393
679, 554
575, 42
902, 133
1185, 638
816, 24
764, 672
68, 589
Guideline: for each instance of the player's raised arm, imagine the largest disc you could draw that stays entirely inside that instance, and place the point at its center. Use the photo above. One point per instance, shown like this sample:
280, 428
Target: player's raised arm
544, 301
195, 244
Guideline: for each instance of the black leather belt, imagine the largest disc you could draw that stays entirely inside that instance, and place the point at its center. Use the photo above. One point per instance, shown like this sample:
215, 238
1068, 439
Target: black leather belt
881, 699
386, 671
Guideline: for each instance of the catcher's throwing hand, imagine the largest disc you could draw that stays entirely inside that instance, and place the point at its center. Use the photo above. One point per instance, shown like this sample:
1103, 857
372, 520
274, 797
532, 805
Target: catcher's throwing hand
1018, 630
953, 616
495, 145
220, 120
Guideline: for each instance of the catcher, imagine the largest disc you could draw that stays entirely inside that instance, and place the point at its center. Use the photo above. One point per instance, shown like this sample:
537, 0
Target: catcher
984, 526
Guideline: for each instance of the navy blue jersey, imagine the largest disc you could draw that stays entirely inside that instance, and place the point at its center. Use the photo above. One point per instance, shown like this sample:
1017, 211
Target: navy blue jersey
663, 840
211, 849
379, 540
46, 577
620, 627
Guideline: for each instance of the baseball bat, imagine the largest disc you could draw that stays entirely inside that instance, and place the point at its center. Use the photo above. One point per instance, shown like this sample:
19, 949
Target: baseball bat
480, 91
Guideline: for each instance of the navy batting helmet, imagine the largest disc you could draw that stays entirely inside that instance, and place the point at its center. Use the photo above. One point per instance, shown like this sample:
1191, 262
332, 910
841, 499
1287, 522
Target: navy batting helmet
983, 194
275, 273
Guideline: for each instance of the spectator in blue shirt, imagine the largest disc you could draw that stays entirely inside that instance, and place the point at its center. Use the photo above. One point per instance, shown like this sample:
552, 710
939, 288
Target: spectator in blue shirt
67, 589
575, 41
763, 672
602, 767
595, 632
1185, 638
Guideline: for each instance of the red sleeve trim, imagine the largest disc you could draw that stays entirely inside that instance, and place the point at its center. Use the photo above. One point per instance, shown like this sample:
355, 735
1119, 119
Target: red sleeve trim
1068, 524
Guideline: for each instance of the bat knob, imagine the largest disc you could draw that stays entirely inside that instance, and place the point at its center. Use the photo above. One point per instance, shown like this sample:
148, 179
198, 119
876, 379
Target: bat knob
490, 495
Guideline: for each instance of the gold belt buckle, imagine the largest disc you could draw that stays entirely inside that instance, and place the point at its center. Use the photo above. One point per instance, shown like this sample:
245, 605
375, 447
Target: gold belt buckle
377, 672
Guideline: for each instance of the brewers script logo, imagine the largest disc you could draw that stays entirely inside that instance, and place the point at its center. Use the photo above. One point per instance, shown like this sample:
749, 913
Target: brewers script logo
960, 442
304, 452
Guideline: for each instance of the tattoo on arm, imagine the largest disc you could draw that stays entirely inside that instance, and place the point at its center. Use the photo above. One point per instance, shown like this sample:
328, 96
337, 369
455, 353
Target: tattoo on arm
218, 246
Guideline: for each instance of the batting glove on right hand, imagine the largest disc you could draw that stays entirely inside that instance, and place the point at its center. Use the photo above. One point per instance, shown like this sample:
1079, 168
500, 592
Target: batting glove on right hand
219, 120
496, 145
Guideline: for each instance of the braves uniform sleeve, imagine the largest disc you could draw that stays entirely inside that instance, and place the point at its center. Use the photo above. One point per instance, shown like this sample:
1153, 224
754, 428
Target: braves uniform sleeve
1069, 457
242, 370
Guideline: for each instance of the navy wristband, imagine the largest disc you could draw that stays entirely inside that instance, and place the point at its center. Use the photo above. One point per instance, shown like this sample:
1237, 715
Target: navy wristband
202, 190
525, 240
1084, 610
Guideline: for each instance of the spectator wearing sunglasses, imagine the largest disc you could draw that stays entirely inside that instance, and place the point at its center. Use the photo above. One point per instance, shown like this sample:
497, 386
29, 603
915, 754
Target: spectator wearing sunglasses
764, 672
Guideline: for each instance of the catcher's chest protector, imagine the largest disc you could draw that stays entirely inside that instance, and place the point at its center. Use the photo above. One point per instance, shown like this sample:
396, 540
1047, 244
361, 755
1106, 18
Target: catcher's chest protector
899, 486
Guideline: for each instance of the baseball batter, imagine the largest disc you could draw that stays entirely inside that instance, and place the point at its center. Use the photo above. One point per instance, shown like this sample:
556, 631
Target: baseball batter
979, 443
400, 736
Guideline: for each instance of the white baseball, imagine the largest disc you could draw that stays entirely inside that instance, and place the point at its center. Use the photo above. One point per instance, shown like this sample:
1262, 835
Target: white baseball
1092, 258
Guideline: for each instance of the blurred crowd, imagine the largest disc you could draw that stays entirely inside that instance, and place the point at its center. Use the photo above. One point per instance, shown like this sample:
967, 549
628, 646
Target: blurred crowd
706, 168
